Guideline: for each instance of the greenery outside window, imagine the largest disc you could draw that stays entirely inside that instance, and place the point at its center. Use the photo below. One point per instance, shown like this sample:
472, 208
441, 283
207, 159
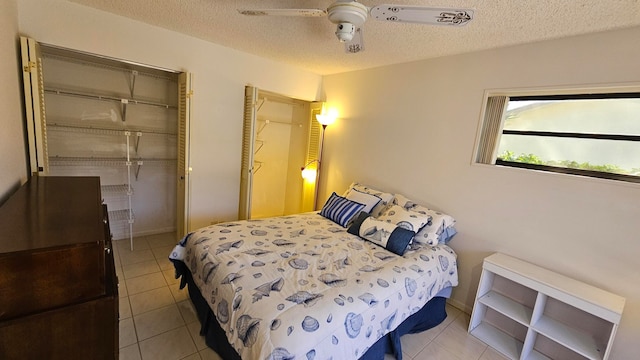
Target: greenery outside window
595, 135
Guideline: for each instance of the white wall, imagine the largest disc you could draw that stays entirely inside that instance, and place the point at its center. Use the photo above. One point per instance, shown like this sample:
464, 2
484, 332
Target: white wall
220, 75
13, 161
411, 129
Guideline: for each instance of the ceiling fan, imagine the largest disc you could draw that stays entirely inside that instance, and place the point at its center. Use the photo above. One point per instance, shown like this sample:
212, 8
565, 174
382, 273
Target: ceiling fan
349, 16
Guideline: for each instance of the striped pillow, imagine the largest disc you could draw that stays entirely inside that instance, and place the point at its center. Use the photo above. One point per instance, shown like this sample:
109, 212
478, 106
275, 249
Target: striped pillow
340, 210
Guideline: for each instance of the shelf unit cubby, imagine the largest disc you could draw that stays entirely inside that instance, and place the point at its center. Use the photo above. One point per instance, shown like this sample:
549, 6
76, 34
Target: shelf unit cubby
527, 312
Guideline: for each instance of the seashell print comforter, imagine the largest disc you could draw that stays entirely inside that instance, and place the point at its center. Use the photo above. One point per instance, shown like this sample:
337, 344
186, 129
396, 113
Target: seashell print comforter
301, 287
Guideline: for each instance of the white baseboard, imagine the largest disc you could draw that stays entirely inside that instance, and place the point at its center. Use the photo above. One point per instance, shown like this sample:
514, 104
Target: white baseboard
144, 233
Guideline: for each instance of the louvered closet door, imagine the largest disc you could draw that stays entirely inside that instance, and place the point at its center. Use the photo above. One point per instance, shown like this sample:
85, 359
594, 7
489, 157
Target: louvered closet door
34, 105
310, 188
248, 140
183, 175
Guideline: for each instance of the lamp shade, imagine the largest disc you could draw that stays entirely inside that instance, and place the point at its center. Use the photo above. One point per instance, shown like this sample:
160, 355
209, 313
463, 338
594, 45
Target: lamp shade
309, 174
327, 118
310, 170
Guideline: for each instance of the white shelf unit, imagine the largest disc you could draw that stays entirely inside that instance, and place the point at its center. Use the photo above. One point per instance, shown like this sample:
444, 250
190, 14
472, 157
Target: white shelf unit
527, 312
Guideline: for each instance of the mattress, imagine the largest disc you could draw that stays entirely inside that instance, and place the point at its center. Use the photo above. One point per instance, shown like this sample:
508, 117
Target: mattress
302, 287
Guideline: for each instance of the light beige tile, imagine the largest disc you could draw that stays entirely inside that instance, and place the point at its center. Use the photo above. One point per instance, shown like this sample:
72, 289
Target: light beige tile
391, 357
139, 269
124, 308
165, 239
461, 322
171, 345
157, 321
195, 356
179, 295
412, 344
162, 256
139, 243
435, 351
491, 354
132, 257
145, 283
116, 258
122, 288
452, 312
131, 352
119, 272
170, 277
209, 354
150, 300
188, 312
165, 264
194, 330
436, 330
456, 340
163, 252
127, 333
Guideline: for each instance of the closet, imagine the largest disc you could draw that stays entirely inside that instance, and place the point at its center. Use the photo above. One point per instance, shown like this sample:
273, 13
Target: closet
127, 123
280, 135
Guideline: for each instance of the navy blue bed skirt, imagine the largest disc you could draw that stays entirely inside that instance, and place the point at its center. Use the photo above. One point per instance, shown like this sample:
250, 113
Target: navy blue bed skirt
432, 314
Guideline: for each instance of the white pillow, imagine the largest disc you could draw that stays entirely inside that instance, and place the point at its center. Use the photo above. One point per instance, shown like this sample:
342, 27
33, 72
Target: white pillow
369, 201
439, 230
409, 220
386, 198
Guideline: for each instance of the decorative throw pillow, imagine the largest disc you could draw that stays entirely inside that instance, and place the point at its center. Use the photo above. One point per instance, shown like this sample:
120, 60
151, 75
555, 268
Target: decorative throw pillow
409, 220
439, 231
387, 235
386, 198
340, 210
369, 201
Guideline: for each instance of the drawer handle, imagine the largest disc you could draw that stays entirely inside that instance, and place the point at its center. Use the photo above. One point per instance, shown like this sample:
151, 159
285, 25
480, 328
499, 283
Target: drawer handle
107, 250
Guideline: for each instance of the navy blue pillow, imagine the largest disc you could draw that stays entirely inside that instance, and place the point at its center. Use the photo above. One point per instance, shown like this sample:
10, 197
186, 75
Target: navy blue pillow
340, 210
389, 236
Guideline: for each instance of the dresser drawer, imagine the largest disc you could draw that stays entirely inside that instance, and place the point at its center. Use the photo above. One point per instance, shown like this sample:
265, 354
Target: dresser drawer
34, 281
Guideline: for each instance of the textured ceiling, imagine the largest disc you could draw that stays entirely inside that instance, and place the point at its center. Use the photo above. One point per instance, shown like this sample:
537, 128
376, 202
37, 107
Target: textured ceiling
310, 43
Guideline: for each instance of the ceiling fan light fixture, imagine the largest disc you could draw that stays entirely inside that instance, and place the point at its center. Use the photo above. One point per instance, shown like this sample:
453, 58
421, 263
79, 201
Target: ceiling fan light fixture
345, 31
350, 12
349, 17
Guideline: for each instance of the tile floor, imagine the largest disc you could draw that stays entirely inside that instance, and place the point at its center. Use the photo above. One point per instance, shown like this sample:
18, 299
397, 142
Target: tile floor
158, 322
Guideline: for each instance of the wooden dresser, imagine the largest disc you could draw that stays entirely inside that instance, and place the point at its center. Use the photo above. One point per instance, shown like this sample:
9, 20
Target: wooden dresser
58, 287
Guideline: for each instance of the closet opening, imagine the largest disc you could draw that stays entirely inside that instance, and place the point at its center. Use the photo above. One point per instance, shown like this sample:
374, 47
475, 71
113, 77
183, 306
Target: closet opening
126, 123
278, 137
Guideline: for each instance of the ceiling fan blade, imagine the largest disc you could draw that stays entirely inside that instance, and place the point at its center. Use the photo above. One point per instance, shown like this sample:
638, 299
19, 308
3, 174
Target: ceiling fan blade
284, 12
422, 15
356, 44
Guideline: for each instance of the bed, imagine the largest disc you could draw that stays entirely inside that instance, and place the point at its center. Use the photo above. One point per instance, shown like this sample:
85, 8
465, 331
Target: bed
305, 287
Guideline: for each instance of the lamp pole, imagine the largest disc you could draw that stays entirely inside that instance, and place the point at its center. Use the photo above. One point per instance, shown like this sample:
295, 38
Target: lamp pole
315, 197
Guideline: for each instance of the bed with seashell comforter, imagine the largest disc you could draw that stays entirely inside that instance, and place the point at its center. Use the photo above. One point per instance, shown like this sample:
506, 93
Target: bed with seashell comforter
301, 287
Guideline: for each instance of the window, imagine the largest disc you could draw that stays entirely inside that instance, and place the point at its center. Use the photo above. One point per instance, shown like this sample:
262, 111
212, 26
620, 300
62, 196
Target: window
595, 134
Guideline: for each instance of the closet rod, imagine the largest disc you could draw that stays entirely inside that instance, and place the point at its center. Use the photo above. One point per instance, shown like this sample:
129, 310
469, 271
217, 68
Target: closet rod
267, 121
105, 161
106, 98
108, 131
119, 67
279, 100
